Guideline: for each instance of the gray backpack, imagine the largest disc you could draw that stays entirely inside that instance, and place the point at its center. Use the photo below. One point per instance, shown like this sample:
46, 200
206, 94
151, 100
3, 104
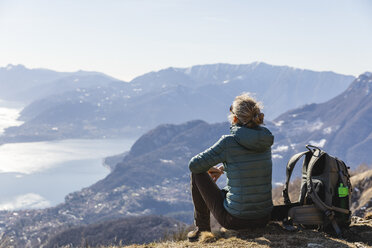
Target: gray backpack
325, 194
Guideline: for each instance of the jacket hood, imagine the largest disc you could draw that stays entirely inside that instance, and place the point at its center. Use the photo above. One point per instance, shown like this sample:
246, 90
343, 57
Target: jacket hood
257, 139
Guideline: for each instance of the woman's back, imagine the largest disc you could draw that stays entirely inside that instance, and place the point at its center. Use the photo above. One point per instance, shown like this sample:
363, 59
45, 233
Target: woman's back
245, 153
248, 168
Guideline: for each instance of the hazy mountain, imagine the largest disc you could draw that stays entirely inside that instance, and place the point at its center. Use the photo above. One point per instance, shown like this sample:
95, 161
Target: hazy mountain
20, 84
16, 79
280, 87
104, 108
342, 126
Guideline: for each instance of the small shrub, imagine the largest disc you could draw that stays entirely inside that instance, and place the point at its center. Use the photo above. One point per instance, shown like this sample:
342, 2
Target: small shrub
368, 216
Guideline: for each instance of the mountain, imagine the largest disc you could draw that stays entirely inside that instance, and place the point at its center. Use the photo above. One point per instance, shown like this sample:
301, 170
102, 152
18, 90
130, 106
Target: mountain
20, 84
151, 179
280, 87
15, 80
341, 126
102, 108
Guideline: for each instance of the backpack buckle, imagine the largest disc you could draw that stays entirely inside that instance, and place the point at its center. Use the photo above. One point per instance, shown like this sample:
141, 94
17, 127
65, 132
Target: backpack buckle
313, 150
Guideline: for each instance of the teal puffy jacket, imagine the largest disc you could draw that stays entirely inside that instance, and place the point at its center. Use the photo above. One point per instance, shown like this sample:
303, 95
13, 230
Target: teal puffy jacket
246, 157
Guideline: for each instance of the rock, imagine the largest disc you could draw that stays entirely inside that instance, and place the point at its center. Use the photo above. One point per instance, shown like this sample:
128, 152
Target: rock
314, 245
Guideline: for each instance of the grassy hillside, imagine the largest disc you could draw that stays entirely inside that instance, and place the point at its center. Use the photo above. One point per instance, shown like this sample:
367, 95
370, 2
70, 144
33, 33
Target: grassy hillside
359, 235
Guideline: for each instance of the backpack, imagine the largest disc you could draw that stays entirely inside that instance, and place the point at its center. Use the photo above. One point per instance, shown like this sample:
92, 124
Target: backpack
325, 194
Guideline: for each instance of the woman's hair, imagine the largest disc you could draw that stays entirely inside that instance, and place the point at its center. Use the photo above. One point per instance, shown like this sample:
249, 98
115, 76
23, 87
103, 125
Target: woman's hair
247, 110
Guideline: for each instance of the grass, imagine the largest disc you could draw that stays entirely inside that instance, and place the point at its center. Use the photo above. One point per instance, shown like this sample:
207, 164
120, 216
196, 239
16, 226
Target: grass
359, 235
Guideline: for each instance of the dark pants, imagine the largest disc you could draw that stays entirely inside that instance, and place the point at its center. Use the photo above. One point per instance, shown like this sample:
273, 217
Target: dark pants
207, 197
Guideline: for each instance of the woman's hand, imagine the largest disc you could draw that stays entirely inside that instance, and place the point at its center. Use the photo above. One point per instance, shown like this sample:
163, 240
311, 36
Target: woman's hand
215, 172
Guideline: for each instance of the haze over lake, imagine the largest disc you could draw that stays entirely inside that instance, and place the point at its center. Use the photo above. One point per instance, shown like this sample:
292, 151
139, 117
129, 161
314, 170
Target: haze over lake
41, 174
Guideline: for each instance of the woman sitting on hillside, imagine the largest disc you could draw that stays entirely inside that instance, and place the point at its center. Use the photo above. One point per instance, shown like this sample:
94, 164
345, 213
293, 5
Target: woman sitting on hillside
246, 201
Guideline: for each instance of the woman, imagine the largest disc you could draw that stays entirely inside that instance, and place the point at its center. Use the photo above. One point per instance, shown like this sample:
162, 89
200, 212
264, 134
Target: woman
246, 200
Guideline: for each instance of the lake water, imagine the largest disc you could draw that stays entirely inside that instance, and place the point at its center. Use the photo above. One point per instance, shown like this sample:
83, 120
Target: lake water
41, 174
8, 117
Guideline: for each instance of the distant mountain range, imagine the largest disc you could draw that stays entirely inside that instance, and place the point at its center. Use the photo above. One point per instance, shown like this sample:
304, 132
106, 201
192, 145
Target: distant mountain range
93, 105
20, 84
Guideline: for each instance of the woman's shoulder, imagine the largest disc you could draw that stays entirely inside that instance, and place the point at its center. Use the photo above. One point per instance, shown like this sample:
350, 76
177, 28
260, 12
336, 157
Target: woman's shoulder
227, 139
265, 130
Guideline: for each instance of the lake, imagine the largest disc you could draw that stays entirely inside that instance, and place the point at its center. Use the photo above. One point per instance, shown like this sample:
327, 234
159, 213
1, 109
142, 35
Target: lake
8, 117
41, 174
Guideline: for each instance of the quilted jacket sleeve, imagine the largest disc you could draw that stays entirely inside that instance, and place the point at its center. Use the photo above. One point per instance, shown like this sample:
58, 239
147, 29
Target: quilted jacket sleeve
212, 156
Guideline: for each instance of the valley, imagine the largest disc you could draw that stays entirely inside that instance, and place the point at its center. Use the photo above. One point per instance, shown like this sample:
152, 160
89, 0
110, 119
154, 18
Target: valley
149, 176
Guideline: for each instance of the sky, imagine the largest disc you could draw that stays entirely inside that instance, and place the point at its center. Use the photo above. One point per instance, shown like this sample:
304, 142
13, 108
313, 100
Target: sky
127, 38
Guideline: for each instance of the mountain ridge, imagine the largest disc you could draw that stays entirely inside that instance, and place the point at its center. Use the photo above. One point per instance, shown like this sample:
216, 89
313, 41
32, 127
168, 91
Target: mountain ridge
173, 95
18, 83
341, 126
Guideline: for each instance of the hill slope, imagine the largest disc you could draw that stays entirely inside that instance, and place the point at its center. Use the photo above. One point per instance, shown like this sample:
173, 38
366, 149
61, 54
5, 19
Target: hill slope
362, 193
129, 230
152, 179
341, 126
358, 236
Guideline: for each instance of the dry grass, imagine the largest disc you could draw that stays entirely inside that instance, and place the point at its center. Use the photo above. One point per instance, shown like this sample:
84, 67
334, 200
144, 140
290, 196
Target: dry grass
359, 235
293, 191
368, 216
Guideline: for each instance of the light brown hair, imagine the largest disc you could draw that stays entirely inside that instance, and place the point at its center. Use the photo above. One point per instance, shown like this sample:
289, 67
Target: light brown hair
247, 110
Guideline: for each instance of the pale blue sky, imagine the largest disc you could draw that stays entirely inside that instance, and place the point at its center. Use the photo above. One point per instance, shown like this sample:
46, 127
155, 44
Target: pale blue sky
126, 38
